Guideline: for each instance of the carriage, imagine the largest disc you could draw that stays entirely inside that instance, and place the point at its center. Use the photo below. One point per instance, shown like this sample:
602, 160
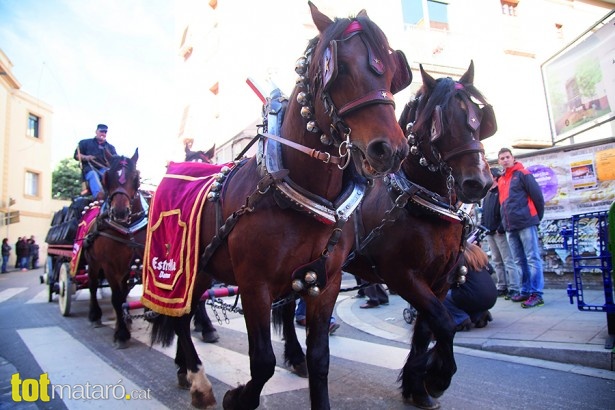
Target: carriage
62, 242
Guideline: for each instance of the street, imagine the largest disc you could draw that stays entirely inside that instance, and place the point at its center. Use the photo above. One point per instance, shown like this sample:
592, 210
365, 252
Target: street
42, 347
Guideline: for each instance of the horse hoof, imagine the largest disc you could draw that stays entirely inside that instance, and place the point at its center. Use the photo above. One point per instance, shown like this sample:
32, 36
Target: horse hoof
300, 369
119, 345
425, 402
183, 382
211, 337
201, 401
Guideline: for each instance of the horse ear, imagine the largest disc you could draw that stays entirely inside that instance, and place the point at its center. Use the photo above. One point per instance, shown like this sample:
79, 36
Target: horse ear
428, 81
108, 155
321, 21
135, 156
210, 154
187, 149
363, 13
468, 76
104, 180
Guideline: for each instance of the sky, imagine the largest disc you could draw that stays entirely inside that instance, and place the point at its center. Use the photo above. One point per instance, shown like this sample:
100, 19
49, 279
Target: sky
97, 61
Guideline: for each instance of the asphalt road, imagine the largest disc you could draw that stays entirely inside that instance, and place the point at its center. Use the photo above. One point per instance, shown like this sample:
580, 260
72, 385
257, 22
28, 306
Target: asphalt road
36, 339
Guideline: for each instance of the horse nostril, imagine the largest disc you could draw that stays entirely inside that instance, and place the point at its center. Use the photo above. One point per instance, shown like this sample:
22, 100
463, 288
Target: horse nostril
379, 150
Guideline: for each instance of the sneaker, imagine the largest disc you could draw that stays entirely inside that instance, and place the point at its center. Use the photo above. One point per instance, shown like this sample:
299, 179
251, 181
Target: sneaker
300, 322
533, 301
521, 297
502, 292
333, 327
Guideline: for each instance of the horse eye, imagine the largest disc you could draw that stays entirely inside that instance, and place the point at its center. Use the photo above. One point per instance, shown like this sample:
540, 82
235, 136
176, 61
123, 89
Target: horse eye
342, 69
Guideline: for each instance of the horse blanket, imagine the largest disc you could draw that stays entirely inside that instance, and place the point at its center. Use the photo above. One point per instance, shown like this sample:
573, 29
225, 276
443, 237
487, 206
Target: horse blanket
88, 218
172, 244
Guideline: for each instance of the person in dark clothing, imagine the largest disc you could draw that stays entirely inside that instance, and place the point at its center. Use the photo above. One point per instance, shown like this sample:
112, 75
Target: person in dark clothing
23, 250
469, 302
6, 252
33, 250
17, 254
376, 296
522, 208
91, 154
507, 274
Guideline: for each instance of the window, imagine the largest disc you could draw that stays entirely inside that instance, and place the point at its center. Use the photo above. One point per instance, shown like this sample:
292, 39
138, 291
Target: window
434, 16
33, 125
32, 187
509, 7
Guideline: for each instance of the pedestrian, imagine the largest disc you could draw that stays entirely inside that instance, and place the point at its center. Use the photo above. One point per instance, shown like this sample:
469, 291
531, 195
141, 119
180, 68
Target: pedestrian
522, 208
300, 316
24, 251
91, 154
376, 296
507, 274
469, 302
6, 252
18, 253
33, 248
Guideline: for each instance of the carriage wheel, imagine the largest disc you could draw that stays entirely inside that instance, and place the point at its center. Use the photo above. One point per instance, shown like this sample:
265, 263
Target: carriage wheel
66, 288
52, 276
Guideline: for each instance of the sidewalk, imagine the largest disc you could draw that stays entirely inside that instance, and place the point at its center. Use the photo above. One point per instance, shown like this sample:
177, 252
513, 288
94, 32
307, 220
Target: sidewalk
557, 331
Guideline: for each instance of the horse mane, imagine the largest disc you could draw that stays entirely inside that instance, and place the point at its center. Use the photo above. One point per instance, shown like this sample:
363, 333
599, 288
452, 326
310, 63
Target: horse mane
475, 258
440, 95
373, 35
114, 164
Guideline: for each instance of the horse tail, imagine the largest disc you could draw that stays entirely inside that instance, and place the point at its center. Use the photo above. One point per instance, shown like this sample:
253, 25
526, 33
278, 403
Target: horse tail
163, 330
277, 318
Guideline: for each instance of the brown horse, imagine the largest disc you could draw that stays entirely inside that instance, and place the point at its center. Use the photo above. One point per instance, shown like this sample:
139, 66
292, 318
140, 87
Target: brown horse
113, 247
413, 229
285, 211
200, 156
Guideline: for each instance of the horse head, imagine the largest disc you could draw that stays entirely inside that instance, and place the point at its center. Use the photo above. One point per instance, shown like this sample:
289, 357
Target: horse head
445, 124
121, 183
200, 156
347, 78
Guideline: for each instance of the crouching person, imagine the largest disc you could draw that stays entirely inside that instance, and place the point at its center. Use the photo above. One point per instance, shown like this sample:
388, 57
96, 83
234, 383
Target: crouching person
468, 303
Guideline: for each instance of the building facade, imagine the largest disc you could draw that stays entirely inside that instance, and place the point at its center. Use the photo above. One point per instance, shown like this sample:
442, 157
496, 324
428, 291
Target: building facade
25, 151
223, 42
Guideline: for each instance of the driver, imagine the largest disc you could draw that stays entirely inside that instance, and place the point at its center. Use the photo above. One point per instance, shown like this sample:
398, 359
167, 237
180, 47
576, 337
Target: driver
91, 154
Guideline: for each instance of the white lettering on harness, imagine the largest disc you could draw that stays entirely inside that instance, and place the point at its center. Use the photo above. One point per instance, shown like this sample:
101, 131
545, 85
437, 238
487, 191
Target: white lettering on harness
164, 267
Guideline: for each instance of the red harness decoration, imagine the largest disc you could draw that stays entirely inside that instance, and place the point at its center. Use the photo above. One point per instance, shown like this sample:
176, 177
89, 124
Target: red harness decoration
172, 244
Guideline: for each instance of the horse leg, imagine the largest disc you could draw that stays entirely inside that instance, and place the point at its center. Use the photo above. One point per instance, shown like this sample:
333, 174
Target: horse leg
441, 365
262, 358
200, 386
413, 372
182, 371
119, 293
203, 324
319, 310
95, 313
293, 353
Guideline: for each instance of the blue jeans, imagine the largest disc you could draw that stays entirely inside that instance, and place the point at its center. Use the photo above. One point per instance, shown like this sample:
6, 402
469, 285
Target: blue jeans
300, 311
5, 260
24, 262
526, 253
507, 273
93, 179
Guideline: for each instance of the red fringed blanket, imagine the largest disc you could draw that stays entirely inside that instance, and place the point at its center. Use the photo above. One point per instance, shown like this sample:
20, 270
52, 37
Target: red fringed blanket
172, 244
82, 230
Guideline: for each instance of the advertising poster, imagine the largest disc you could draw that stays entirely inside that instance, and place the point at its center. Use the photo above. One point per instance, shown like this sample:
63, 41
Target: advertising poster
580, 82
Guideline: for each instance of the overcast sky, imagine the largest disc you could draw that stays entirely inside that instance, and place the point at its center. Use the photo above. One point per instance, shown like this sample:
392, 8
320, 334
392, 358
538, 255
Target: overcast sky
93, 61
